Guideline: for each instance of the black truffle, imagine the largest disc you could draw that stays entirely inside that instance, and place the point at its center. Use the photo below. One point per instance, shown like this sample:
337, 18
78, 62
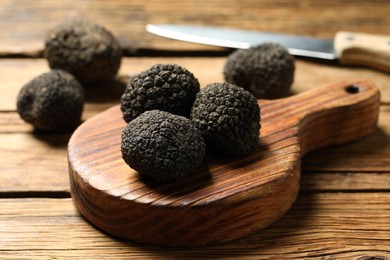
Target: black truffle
162, 145
166, 87
228, 117
267, 70
86, 50
52, 101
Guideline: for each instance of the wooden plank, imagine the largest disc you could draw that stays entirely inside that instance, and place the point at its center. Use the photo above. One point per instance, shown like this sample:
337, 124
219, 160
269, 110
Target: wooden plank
345, 181
308, 74
17, 72
38, 163
33, 163
320, 225
127, 19
10, 122
44, 166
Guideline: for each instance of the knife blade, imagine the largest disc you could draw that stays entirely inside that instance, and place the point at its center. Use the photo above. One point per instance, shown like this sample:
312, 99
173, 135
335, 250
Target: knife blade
347, 47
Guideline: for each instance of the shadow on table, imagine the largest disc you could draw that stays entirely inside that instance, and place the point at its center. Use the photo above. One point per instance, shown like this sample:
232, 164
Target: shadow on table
55, 140
106, 91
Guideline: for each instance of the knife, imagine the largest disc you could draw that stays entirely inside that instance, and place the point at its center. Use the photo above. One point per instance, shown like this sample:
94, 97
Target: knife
347, 47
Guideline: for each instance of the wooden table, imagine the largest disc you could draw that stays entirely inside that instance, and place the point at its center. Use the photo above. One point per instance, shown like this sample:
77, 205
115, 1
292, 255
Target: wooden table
343, 209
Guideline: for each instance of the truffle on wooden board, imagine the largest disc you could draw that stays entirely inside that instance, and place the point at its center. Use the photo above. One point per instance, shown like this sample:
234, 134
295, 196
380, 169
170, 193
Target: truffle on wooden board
228, 117
87, 50
166, 87
266, 70
162, 145
52, 101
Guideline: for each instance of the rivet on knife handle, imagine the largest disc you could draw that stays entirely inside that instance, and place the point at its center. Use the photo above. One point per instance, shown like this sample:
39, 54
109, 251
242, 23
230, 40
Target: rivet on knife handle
363, 49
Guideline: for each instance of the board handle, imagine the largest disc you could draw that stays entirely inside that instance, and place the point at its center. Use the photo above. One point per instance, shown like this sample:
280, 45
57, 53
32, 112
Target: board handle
333, 114
363, 49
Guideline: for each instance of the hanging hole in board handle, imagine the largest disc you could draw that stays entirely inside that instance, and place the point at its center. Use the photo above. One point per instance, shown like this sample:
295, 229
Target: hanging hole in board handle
353, 89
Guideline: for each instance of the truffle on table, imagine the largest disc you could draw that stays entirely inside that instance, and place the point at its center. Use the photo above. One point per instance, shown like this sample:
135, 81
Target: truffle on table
52, 101
167, 87
266, 70
162, 145
87, 50
228, 118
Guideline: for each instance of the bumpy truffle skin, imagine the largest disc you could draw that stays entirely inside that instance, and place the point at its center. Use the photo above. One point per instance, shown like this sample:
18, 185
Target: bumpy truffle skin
162, 145
52, 101
267, 70
166, 87
228, 117
86, 50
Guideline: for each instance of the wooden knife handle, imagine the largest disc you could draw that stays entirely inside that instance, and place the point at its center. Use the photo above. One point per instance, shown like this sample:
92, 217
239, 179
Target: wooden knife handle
363, 49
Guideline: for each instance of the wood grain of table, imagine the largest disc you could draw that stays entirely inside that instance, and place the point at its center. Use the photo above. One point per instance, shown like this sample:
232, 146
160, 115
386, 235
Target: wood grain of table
343, 208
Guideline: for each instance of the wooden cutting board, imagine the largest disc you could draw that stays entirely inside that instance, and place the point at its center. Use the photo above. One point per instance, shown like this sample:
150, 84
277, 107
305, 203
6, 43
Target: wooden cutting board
228, 198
